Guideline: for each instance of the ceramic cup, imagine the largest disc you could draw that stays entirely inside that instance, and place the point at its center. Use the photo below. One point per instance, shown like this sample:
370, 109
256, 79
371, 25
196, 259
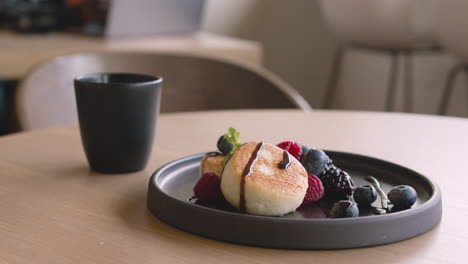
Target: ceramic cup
117, 114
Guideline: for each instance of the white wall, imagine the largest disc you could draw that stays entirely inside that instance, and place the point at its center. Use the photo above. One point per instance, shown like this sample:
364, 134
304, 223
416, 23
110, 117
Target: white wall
299, 48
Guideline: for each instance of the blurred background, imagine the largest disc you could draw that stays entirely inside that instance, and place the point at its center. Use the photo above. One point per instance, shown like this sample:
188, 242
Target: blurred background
390, 44
299, 46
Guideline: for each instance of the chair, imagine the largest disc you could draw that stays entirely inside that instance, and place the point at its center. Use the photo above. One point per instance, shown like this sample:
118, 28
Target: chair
394, 27
452, 35
46, 98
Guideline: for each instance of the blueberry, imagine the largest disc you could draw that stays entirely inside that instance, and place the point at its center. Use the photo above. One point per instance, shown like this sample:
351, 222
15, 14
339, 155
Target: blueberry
305, 149
365, 195
402, 196
224, 146
315, 161
344, 209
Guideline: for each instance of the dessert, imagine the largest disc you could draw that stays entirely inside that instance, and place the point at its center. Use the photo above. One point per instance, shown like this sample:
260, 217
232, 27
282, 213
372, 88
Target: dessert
211, 162
273, 180
263, 179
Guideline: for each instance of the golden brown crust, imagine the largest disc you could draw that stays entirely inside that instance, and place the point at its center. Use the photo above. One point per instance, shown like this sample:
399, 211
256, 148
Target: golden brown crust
211, 163
266, 171
266, 189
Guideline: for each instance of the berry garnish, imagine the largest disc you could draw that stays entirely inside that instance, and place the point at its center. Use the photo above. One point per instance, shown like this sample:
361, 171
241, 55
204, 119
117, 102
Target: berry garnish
314, 161
208, 188
224, 146
292, 147
232, 137
343, 209
365, 195
305, 149
315, 190
383, 197
337, 183
402, 196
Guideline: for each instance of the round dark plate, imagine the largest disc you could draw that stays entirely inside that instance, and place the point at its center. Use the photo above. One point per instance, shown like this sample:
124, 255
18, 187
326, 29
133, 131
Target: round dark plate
171, 187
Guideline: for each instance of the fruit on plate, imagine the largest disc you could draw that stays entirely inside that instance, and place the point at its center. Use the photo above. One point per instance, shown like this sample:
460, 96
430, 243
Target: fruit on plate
263, 179
315, 161
365, 195
224, 145
273, 180
337, 183
344, 209
402, 196
293, 148
207, 188
314, 191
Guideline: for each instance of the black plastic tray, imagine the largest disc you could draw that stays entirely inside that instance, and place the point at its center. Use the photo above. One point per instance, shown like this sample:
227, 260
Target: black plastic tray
171, 187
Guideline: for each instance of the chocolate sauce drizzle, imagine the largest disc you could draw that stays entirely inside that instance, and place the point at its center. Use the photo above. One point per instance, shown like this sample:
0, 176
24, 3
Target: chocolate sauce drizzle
213, 154
245, 173
286, 162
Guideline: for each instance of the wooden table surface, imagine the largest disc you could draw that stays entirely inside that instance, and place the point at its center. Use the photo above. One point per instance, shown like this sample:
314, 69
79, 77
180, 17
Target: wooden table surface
20, 52
54, 210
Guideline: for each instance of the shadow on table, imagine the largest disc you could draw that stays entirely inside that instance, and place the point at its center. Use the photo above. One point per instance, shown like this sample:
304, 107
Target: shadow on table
134, 212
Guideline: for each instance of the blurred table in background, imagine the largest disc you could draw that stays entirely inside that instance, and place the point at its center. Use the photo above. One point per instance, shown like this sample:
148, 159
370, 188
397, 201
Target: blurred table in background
21, 52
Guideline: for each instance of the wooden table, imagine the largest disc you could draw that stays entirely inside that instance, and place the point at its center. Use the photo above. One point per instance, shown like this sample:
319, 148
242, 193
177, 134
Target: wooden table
54, 210
20, 52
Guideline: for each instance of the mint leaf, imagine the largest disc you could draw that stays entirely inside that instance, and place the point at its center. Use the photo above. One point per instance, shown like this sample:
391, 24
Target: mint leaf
233, 137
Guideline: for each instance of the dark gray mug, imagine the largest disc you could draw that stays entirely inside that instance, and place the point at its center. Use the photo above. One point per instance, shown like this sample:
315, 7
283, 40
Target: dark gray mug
117, 114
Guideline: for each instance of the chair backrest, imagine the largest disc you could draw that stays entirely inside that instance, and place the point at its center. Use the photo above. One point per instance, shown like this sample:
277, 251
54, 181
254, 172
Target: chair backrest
385, 24
46, 96
450, 18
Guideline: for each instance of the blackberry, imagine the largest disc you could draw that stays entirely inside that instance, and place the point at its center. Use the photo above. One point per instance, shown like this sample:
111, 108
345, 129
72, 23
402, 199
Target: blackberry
337, 183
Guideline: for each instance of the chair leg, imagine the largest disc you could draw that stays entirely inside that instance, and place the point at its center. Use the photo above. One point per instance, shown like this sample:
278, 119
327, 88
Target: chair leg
333, 77
408, 81
392, 81
449, 84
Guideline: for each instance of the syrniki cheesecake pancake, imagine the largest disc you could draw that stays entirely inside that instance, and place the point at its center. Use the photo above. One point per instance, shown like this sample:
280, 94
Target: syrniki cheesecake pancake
211, 162
263, 179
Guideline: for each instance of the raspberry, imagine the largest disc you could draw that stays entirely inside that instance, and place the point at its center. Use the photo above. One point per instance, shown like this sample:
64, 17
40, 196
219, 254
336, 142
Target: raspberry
315, 190
208, 188
294, 148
